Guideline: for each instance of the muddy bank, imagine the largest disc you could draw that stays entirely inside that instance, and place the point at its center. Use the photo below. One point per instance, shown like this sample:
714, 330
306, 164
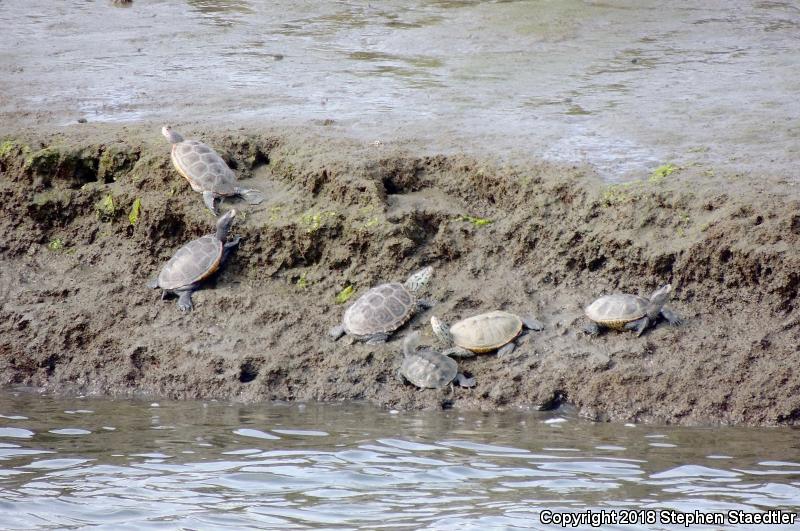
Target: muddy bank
76, 255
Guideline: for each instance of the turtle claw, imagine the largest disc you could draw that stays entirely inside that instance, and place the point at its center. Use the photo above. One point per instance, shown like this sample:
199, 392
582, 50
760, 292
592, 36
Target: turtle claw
463, 381
672, 318
533, 324
185, 301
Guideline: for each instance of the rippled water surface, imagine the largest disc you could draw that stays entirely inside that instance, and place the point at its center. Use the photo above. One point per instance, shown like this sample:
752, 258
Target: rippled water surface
623, 85
124, 464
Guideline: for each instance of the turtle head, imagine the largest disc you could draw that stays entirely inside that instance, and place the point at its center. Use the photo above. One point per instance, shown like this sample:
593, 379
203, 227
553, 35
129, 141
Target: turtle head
419, 280
410, 343
224, 224
173, 136
441, 331
658, 298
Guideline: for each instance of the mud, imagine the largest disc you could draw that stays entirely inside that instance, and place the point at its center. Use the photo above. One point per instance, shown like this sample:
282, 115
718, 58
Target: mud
76, 315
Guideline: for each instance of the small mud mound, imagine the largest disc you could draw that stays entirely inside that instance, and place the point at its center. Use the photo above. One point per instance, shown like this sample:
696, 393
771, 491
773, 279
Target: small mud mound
86, 222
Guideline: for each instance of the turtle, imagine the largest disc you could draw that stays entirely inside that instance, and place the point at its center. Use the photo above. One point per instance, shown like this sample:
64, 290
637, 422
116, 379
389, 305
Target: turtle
428, 368
206, 172
383, 309
483, 333
195, 262
622, 311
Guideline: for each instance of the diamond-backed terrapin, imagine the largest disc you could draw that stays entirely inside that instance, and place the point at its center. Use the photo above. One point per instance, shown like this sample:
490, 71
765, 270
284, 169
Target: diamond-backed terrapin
195, 262
383, 309
428, 368
206, 171
622, 311
486, 332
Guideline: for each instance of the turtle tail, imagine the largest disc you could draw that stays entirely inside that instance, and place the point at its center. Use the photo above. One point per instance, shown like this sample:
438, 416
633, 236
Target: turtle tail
152, 283
254, 197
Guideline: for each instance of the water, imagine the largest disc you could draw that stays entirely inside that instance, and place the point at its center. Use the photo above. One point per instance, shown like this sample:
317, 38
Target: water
126, 464
622, 85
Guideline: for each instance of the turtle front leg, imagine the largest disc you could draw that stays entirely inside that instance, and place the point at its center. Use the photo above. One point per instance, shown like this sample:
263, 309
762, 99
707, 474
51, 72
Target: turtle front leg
532, 324
229, 247
638, 325
210, 199
672, 318
592, 329
425, 304
253, 197
185, 300
506, 349
336, 332
458, 352
463, 381
376, 339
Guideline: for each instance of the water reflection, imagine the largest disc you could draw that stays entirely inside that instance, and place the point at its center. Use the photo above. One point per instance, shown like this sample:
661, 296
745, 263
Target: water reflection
224, 13
625, 87
225, 465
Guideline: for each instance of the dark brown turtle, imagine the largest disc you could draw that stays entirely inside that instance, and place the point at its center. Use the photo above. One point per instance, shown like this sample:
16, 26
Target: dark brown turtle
622, 311
195, 262
383, 309
428, 368
206, 171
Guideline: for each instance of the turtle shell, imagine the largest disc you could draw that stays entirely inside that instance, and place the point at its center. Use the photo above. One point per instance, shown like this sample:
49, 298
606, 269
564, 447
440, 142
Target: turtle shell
203, 168
487, 331
384, 308
192, 263
429, 369
614, 311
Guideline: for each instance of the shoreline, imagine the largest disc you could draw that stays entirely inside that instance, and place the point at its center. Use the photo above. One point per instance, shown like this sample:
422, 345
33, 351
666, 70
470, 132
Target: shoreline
77, 315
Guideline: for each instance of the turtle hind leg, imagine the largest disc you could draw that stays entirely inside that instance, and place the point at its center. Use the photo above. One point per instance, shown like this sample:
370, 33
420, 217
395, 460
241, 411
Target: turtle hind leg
185, 300
253, 197
592, 329
210, 199
152, 283
672, 318
638, 326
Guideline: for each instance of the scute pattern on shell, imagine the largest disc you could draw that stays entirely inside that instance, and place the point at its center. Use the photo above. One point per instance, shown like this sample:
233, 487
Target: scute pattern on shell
430, 369
617, 308
203, 167
383, 308
487, 331
193, 262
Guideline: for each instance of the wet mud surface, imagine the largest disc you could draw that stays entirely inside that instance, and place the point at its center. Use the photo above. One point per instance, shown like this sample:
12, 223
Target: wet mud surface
76, 256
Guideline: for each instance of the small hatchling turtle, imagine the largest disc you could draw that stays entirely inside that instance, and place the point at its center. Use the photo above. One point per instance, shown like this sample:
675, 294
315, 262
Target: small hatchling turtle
383, 309
195, 262
481, 333
427, 368
630, 312
206, 171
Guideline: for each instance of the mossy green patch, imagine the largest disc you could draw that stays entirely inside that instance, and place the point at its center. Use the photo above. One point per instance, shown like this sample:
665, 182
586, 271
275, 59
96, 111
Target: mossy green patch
617, 194
133, 215
44, 161
302, 282
313, 221
106, 209
478, 222
344, 295
7, 147
662, 172
56, 244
